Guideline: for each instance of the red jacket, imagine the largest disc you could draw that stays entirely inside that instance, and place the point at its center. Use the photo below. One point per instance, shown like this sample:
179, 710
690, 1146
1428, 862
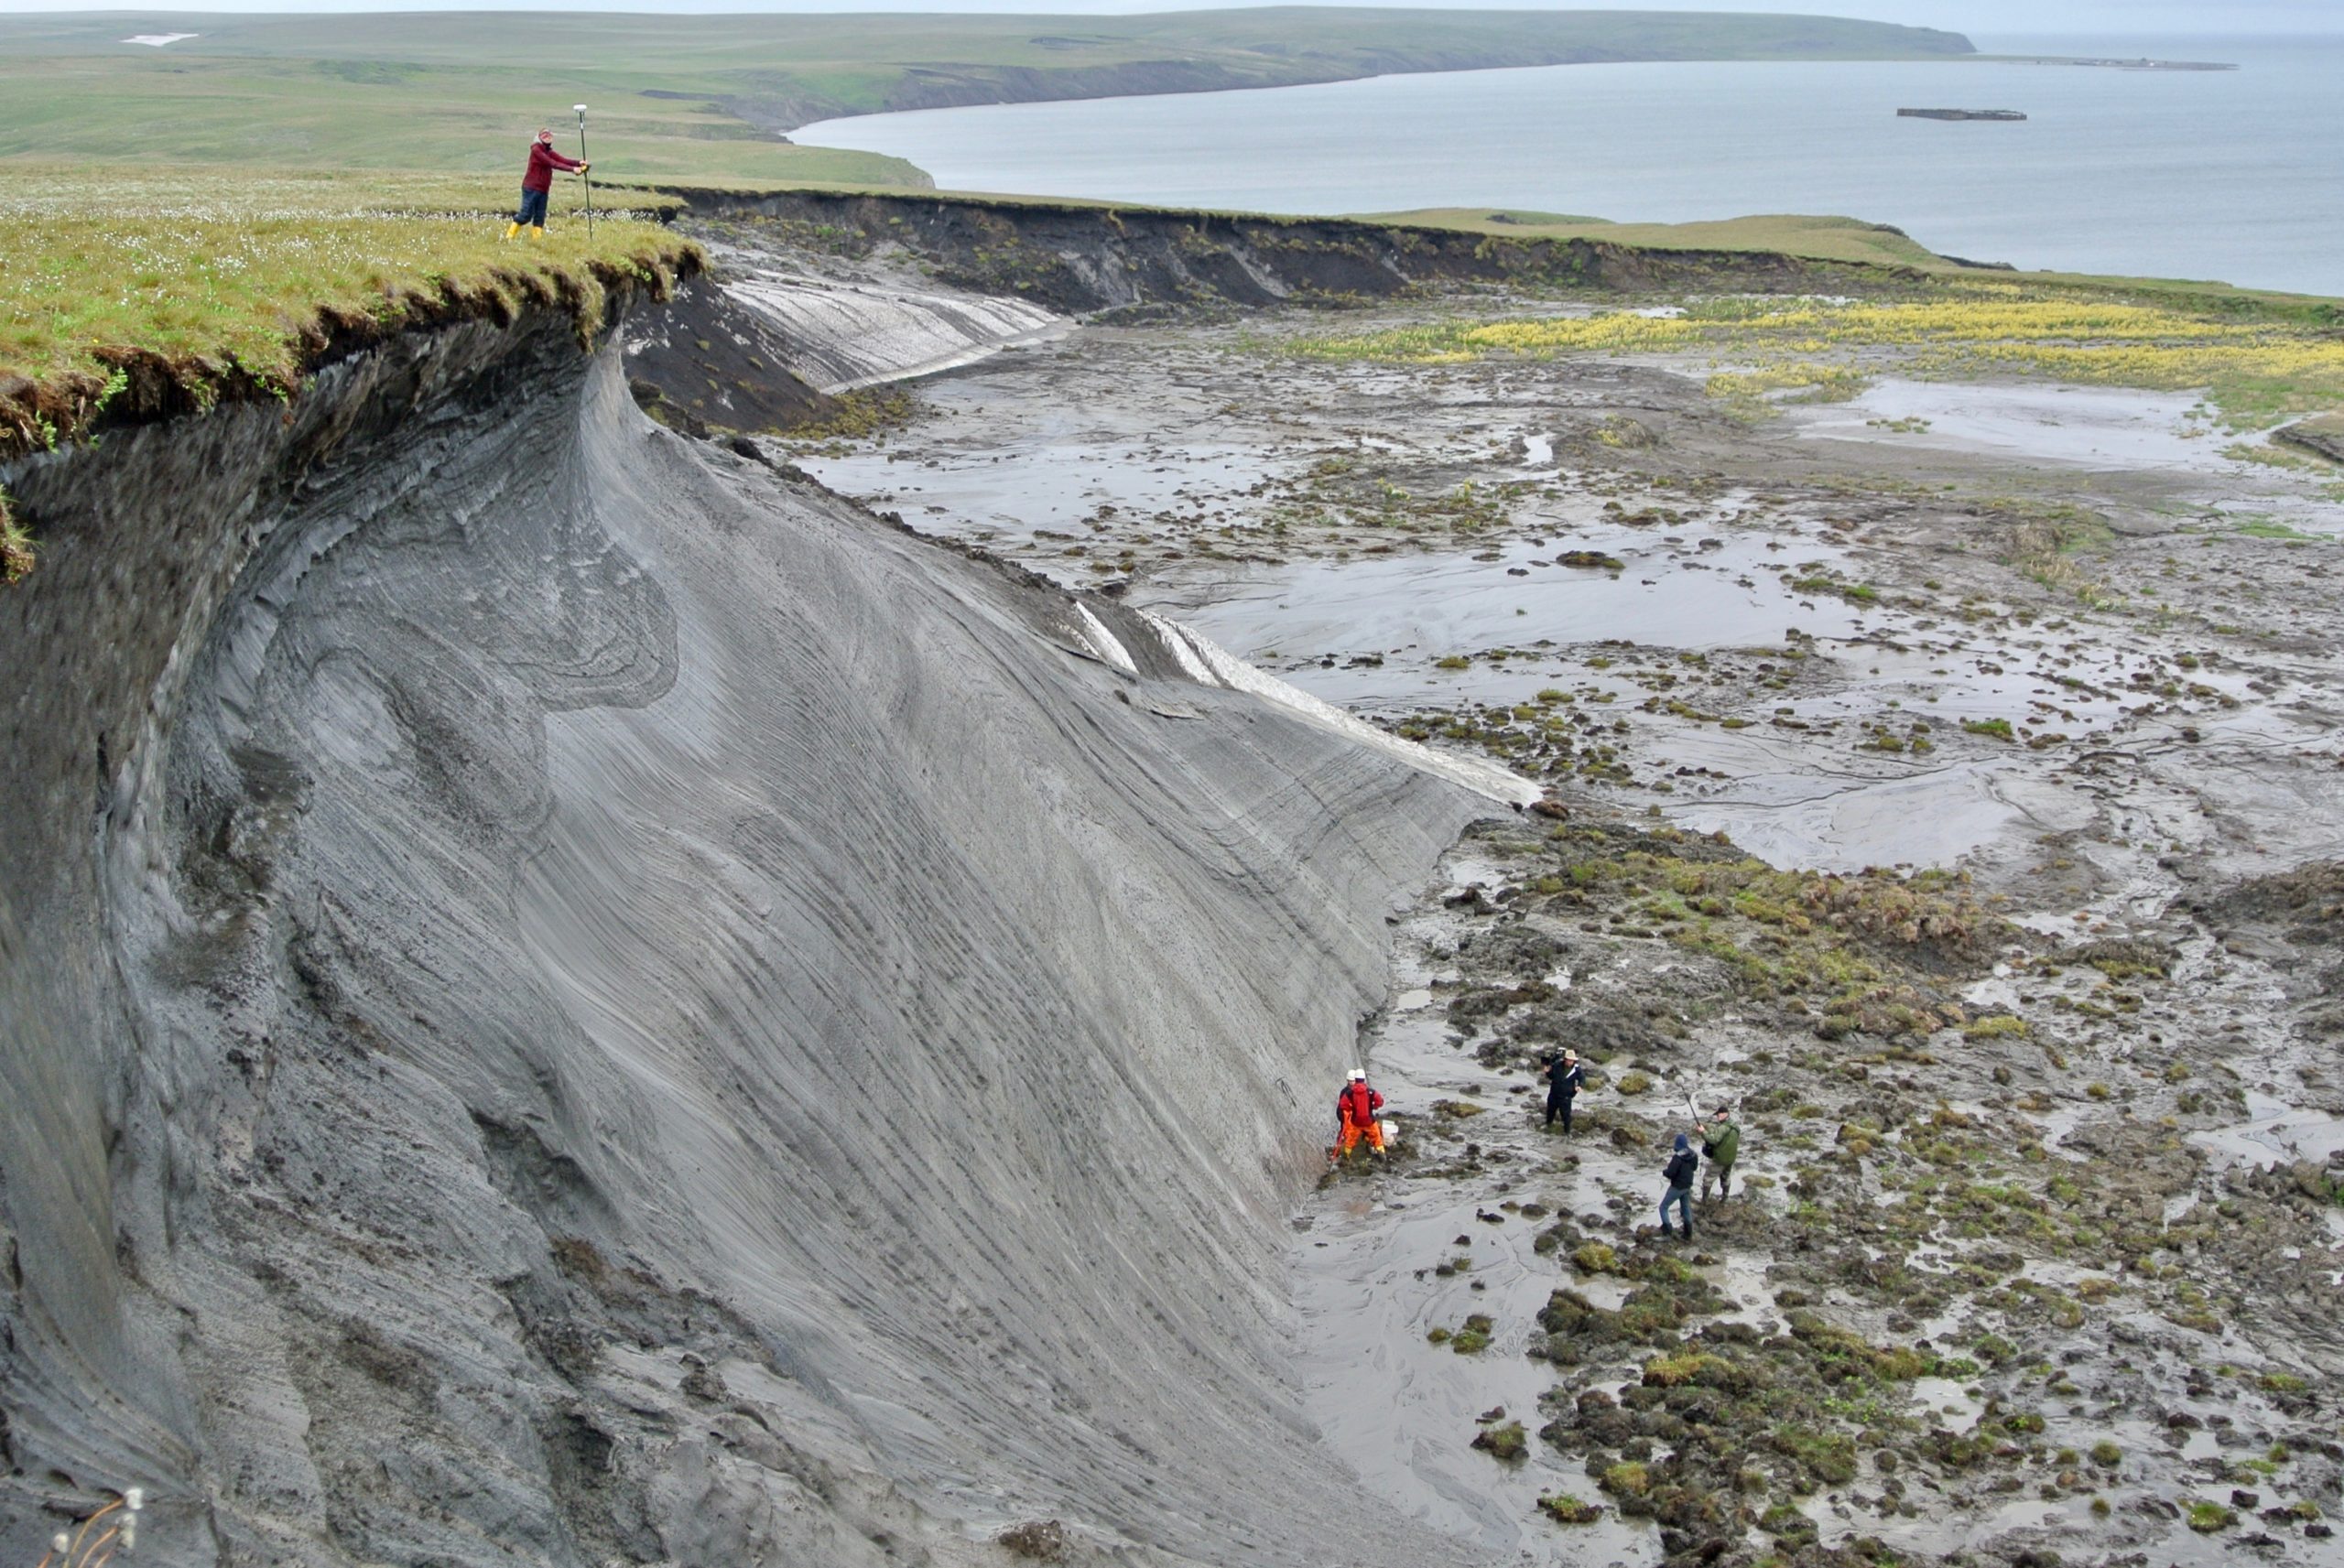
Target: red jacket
543, 161
1358, 1104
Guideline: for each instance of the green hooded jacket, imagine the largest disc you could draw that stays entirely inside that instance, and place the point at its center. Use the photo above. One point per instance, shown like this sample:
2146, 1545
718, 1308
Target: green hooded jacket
1723, 1143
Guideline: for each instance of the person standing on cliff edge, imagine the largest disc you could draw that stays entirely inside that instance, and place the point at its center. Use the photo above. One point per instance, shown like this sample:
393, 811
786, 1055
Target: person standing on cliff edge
536, 183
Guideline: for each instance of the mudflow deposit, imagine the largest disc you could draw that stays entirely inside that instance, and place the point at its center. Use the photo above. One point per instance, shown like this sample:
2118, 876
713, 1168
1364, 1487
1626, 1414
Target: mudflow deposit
705, 954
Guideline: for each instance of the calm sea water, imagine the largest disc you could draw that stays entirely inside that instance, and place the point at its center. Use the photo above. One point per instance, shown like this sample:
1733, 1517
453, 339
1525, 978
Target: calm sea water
2230, 175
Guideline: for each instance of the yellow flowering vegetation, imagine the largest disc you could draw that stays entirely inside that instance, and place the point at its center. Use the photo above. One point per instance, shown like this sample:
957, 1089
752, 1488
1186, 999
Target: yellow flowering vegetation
2254, 369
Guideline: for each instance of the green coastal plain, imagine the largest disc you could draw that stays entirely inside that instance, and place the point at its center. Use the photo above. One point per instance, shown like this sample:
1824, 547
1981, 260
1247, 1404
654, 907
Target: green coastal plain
706, 98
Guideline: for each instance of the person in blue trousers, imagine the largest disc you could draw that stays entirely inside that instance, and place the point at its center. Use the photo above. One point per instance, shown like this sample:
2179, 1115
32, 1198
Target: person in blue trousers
1682, 1164
537, 185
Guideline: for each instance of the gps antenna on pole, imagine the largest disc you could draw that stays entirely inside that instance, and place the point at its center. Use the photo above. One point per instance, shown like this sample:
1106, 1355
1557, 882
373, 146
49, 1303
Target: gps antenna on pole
588, 177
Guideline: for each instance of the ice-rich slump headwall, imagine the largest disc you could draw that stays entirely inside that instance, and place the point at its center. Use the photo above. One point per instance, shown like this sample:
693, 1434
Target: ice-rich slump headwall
570, 998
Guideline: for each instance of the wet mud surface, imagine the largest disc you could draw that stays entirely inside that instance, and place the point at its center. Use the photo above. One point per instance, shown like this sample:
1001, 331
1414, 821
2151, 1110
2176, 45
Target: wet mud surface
2026, 1254
1947, 779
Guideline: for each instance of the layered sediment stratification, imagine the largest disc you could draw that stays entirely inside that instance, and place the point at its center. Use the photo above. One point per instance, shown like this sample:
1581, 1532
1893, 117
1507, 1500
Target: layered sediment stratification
1084, 259
571, 998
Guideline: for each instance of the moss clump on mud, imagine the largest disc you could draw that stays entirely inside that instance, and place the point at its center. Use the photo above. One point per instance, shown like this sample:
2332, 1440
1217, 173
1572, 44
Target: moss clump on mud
2206, 1518
1698, 1366
2122, 959
1565, 1508
1627, 1480
1472, 1337
859, 414
1508, 1443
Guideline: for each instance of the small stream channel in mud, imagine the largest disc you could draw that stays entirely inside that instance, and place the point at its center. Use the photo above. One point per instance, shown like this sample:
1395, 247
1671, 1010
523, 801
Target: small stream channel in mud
2045, 1134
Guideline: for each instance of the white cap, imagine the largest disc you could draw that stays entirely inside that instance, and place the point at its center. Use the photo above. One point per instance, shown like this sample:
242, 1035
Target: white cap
1359, 1074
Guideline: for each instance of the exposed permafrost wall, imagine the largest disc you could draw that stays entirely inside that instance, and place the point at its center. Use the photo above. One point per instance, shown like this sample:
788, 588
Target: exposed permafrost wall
569, 999
1080, 258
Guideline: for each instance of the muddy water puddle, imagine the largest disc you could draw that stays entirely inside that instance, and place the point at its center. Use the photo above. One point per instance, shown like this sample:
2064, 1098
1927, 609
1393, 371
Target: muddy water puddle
2083, 427
2276, 1132
1371, 632
1040, 494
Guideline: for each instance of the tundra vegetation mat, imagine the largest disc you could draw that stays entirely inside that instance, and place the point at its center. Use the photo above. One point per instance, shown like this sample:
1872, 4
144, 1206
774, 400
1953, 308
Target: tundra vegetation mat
132, 295
702, 97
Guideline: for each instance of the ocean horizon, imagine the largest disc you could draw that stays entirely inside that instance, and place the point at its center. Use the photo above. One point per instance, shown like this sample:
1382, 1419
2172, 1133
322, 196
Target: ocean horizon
2210, 175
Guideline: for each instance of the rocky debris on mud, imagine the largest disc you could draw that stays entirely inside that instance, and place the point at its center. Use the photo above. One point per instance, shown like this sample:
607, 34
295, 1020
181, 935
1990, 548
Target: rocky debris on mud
1042, 1541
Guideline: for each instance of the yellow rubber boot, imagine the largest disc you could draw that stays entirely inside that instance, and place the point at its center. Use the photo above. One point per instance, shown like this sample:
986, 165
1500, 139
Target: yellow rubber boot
511, 230
536, 231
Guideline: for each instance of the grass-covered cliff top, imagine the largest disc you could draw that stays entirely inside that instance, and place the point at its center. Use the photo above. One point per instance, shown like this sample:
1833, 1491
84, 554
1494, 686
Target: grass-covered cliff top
702, 98
166, 288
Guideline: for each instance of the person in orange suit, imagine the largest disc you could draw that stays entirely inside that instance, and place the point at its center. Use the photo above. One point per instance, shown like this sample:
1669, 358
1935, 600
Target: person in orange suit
1355, 1108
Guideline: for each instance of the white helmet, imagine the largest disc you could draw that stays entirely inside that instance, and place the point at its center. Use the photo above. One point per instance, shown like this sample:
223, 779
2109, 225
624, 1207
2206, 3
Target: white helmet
1359, 1074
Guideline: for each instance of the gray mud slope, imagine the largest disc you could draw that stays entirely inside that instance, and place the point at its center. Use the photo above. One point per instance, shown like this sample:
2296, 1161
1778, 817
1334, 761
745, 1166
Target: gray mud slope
572, 1000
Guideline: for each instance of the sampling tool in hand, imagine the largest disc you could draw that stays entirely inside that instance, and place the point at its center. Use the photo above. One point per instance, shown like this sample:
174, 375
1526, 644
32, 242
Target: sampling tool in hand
584, 174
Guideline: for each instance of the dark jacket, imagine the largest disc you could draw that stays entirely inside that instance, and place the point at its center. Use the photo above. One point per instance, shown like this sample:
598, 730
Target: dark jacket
543, 161
1563, 1083
1681, 1167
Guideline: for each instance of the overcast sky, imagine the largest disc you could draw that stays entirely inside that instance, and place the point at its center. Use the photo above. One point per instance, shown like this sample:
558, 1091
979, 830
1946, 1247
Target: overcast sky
1989, 17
